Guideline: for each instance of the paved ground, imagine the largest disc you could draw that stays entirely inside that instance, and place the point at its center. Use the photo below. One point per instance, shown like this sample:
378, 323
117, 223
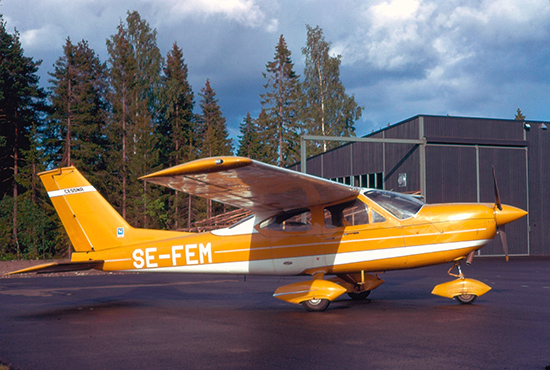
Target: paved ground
214, 322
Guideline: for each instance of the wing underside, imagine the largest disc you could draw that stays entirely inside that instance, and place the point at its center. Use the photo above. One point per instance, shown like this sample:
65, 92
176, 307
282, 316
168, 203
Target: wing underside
249, 184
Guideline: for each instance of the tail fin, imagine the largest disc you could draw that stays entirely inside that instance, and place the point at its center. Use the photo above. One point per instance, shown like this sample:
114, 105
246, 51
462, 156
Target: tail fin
90, 221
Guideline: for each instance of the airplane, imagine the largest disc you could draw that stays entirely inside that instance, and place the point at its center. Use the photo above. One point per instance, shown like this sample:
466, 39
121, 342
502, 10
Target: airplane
341, 236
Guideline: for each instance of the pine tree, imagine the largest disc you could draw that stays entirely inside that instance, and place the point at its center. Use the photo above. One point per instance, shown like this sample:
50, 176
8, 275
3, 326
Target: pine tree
135, 66
78, 94
326, 109
22, 105
281, 104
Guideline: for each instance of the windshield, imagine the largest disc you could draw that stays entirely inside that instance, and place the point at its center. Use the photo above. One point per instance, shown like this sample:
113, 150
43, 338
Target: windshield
401, 206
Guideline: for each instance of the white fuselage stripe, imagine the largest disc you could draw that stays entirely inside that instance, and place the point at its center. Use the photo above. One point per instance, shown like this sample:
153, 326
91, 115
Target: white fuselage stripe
267, 266
71, 191
346, 241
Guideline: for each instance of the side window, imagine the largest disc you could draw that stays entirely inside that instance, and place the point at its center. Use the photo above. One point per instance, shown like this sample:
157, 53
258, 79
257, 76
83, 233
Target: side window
295, 220
346, 214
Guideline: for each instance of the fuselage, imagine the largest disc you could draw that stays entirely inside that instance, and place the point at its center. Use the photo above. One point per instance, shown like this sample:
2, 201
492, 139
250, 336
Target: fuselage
361, 235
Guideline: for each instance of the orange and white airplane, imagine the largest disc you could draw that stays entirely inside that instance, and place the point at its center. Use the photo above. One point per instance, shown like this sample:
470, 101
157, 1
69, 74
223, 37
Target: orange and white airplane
340, 236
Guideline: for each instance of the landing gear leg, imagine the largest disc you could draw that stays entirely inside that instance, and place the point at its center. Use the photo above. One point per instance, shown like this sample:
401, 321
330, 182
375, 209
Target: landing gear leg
457, 265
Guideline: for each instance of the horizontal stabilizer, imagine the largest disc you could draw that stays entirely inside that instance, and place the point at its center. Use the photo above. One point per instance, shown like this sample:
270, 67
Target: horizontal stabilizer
55, 267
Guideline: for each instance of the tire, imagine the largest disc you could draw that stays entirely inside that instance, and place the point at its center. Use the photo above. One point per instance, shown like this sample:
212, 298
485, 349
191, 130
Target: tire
465, 298
359, 296
316, 305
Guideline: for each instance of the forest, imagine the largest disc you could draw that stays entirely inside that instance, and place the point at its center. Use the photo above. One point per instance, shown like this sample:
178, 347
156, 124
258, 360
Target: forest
136, 113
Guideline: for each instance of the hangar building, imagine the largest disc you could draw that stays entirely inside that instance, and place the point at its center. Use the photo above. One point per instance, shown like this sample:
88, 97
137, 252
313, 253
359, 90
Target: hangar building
450, 159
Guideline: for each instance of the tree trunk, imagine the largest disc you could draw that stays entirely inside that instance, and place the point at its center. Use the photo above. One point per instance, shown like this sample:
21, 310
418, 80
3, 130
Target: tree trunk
15, 190
123, 151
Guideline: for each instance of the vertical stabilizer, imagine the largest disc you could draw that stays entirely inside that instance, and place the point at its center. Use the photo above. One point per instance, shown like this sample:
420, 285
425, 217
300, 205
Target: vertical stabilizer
90, 221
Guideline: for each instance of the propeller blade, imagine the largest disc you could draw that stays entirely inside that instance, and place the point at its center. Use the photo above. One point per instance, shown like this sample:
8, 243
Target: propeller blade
497, 196
502, 232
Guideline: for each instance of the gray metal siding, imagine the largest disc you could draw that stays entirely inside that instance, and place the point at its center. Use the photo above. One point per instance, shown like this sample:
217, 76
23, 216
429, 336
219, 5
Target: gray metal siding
539, 182
451, 174
521, 160
473, 128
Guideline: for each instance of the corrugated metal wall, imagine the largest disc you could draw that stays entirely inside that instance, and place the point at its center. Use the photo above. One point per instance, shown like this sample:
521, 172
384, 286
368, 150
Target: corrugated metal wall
459, 155
539, 193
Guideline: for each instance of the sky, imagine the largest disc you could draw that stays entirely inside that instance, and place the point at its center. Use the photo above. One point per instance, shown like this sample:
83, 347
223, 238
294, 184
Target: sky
399, 58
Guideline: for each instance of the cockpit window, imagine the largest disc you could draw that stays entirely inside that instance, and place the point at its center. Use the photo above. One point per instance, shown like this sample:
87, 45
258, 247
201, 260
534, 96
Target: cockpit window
402, 206
295, 220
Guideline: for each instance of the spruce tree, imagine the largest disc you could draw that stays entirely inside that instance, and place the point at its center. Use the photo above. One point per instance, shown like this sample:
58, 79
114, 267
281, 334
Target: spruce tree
248, 140
213, 137
519, 115
178, 124
177, 141
280, 102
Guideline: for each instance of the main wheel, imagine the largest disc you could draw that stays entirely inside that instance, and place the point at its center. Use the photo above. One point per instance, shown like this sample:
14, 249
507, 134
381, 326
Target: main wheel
359, 296
466, 298
316, 305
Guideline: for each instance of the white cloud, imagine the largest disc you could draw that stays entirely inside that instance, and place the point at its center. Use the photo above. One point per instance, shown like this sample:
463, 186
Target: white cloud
395, 10
45, 38
245, 12
399, 57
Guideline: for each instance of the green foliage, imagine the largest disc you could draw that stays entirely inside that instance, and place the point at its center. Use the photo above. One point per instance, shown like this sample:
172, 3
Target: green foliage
134, 114
135, 71
519, 116
40, 230
76, 134
214, 138
326, 109
280, 102
250, 143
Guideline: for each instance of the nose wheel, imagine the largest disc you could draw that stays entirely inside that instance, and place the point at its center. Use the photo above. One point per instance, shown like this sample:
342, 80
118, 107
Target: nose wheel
462, 290
465, 298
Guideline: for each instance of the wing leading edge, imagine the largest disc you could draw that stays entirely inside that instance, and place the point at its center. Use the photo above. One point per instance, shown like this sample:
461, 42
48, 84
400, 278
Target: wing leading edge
249, 184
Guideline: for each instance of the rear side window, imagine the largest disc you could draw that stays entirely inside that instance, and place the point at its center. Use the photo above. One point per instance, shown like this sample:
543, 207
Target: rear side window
346, 214
295, 220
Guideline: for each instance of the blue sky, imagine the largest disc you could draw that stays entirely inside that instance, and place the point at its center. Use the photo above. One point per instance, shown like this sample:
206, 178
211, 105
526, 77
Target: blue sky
400, 58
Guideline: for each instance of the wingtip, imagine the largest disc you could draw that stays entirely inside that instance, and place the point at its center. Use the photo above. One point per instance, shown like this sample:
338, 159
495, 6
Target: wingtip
203, 165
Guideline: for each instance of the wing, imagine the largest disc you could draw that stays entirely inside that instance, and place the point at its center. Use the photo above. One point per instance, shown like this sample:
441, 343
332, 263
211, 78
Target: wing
249, 184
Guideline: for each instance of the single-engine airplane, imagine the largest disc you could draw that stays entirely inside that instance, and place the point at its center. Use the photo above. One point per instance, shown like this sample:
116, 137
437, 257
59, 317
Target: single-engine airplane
340, 236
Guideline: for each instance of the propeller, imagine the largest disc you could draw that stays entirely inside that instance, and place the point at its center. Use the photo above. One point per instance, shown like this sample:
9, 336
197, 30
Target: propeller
497, 196
502, 228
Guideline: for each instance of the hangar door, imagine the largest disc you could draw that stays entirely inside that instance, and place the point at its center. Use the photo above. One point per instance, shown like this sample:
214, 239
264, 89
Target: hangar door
456, 173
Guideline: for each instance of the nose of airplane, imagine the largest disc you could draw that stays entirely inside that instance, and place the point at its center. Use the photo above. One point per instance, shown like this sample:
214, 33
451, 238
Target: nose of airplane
508, 214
